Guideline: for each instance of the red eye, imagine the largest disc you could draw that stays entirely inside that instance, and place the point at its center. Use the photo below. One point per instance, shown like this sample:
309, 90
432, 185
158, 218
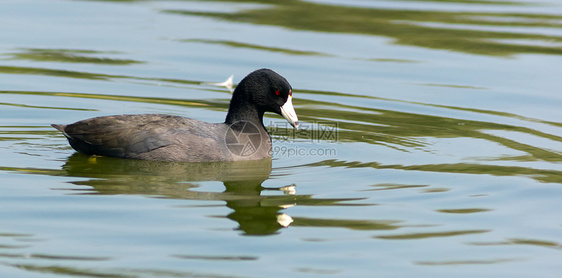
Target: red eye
277, 93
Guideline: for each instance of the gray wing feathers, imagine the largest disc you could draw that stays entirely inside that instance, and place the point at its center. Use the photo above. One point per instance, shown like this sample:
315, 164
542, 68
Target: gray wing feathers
131, 135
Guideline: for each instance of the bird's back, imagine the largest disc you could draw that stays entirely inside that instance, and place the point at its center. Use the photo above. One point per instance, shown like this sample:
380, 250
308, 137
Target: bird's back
154, 137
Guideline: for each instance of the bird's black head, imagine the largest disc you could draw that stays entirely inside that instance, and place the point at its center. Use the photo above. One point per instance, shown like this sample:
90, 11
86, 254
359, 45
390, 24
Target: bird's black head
262, 91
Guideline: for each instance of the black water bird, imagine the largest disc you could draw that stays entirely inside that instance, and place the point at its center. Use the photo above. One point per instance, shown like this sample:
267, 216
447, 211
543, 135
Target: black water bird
173, 138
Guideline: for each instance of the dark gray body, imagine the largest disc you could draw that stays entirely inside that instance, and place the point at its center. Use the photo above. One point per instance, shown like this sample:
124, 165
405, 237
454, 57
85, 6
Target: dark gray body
165, 138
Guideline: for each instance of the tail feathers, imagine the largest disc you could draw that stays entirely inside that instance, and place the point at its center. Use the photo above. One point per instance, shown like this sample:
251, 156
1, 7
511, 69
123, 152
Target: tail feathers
61, 129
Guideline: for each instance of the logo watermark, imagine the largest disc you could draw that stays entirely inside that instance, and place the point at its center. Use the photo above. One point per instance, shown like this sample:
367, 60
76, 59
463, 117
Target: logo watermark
315, 132
243, 138
289, 142
292, 151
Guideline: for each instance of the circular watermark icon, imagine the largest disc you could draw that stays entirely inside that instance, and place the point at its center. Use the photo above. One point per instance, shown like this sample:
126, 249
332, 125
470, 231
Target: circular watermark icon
243, 138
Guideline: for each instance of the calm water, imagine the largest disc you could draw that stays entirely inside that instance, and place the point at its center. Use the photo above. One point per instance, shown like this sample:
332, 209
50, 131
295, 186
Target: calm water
431, 143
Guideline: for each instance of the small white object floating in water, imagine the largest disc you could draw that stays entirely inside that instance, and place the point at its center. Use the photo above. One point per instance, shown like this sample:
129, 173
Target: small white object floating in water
227, 83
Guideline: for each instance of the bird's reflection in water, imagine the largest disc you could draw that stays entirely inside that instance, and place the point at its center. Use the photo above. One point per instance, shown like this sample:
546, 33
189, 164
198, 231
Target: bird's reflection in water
255, 213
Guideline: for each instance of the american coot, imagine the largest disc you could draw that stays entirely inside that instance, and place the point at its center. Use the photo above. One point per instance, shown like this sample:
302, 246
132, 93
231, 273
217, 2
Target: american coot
172, 138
